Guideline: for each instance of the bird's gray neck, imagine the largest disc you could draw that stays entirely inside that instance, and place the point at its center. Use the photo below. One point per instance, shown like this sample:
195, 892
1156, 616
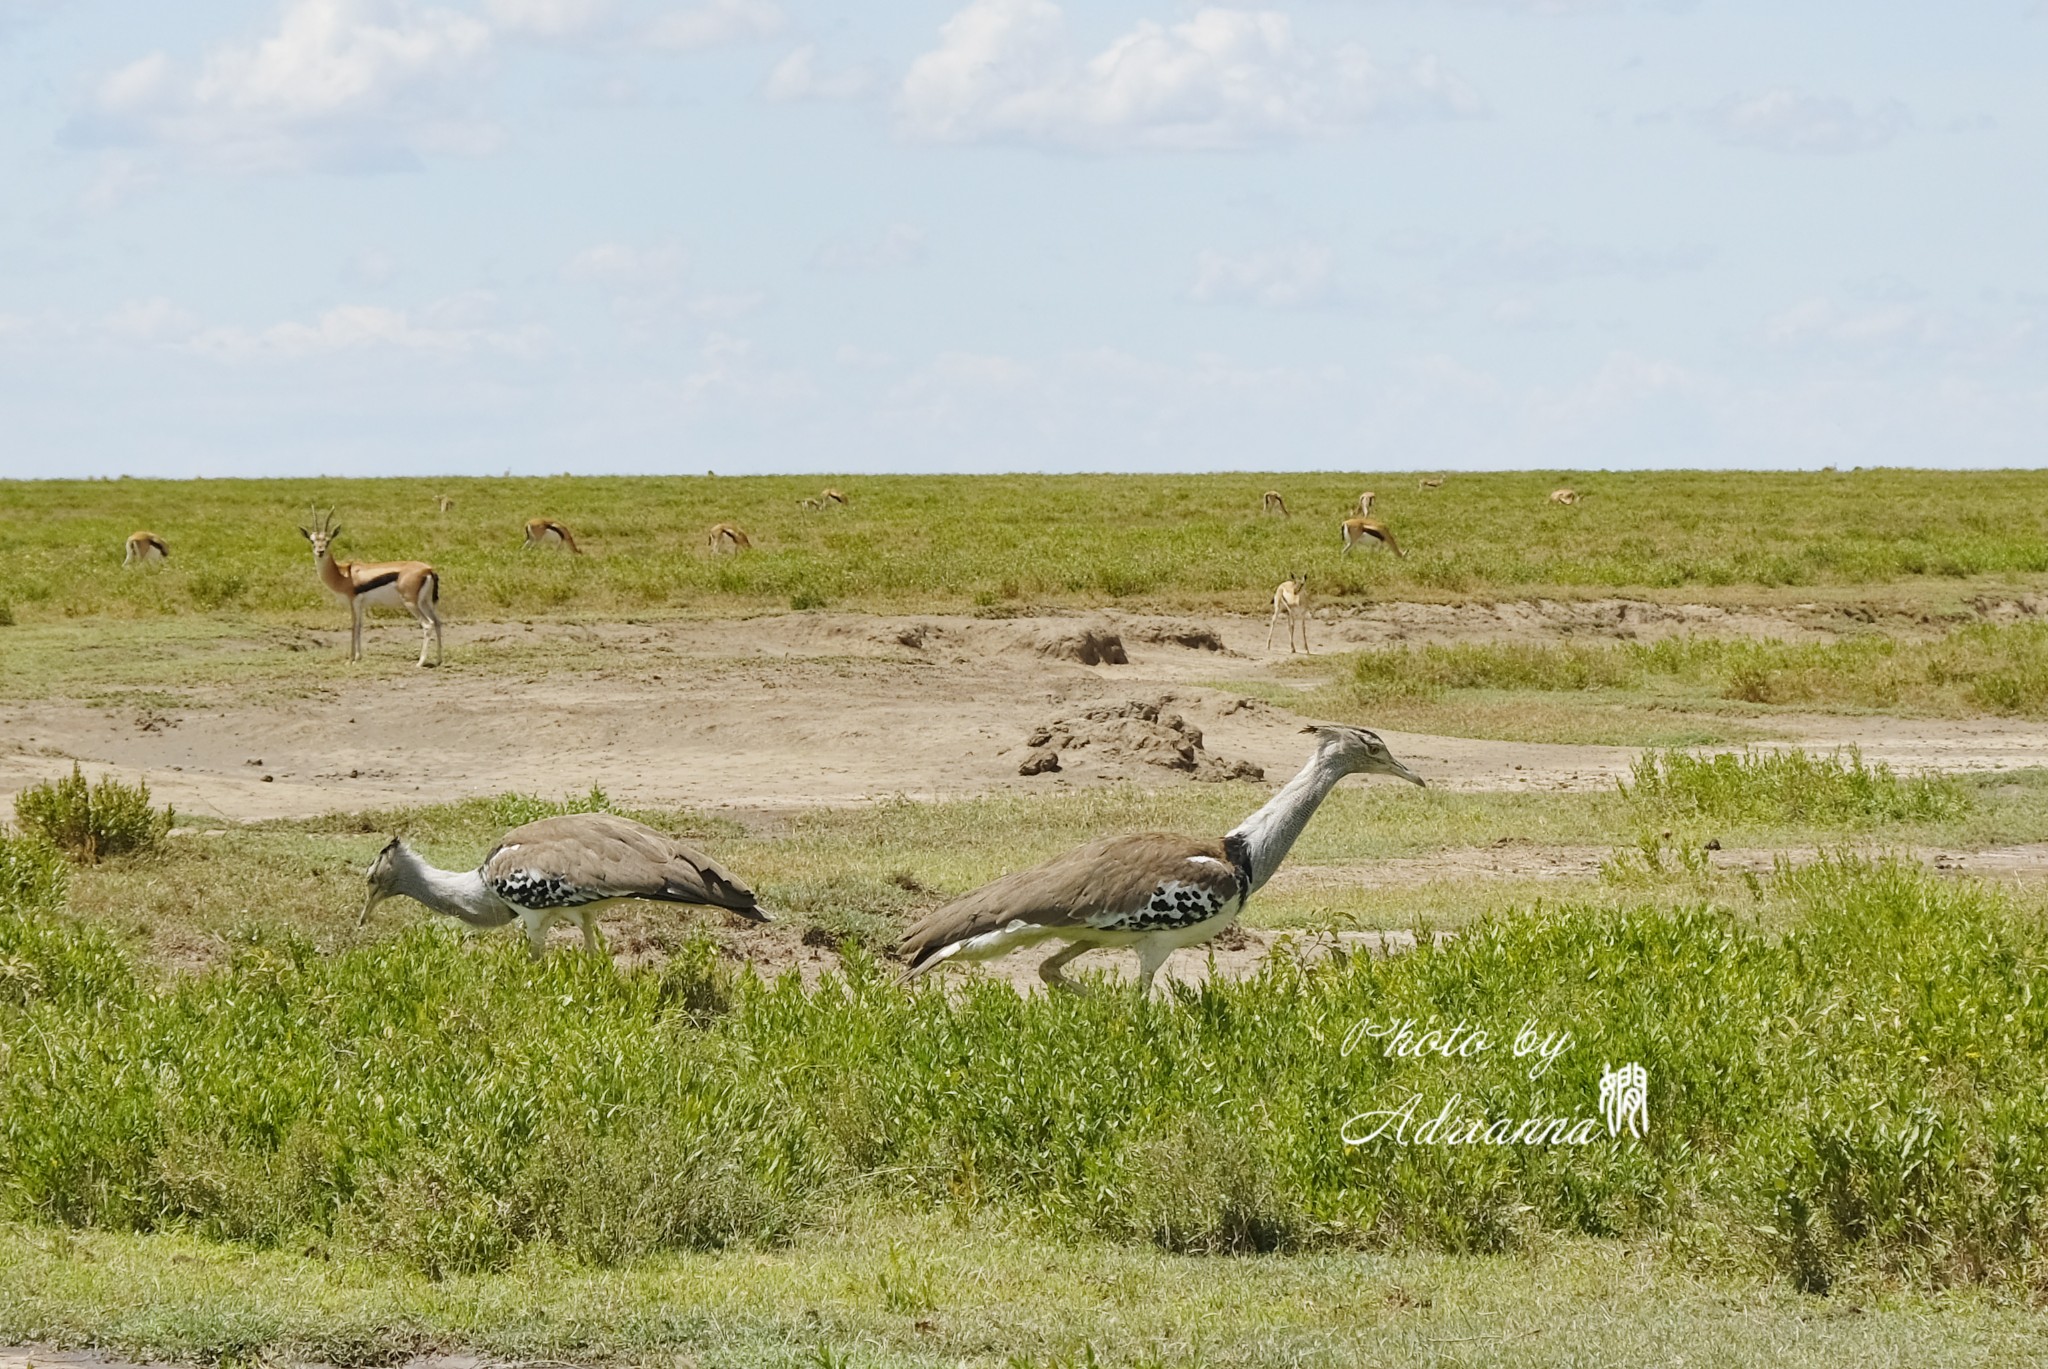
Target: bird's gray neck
1269, 834
460, 894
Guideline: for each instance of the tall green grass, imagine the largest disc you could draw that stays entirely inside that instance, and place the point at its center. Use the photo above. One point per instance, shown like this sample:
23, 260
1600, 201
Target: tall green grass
1983, 668
995, 542
1871, 1091
1787, 788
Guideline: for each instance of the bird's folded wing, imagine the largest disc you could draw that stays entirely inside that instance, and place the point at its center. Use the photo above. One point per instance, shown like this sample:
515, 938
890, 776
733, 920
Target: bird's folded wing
1111, 877
588, 857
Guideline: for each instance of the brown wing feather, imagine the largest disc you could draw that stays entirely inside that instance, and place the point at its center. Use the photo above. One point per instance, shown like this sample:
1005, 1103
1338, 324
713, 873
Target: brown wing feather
1115, 874
615, 857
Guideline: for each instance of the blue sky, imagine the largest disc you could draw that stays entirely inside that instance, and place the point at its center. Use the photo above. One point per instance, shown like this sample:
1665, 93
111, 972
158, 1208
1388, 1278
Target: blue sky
255, 237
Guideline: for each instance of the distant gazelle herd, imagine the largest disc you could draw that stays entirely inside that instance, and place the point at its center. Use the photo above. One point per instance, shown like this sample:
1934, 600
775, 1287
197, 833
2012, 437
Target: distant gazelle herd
1358, 530
415, 586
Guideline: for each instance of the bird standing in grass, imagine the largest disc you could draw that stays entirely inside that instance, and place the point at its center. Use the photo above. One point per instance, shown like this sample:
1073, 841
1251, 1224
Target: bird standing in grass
1155, 891
565, 869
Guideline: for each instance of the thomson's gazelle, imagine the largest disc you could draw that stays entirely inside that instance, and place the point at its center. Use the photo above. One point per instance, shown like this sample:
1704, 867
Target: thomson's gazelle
727, 538
1274, 502
413, 586
1369, 533
546, 532
145, 546
1289, 600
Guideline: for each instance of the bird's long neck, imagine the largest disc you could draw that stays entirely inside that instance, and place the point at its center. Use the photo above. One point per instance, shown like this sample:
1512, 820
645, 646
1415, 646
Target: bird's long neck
1269, 834
460, 894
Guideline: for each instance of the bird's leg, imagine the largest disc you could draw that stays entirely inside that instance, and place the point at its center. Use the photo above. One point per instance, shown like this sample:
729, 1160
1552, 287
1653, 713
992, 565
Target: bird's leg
593, 939
1151, 955
1052, 969
535, 926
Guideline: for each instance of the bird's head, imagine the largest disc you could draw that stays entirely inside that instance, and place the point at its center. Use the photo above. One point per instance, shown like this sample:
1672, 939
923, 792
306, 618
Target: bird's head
383, 876
1359, 751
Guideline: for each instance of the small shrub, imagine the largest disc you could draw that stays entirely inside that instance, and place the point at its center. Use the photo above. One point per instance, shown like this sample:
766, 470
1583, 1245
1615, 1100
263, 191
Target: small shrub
216, 589
1762, 787
32, 875
1206, 1190
92, 821
6, 614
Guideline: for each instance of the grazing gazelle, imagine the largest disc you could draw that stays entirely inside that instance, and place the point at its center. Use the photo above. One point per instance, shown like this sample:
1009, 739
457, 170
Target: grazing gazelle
1272, 502
1369, 533
1365, 504
413, 586
831, 496
145, 547
727, 538
1154, 891
444, 502
1430, 483
562, 869
1564, 496
1289, 600
809, 505
546, 532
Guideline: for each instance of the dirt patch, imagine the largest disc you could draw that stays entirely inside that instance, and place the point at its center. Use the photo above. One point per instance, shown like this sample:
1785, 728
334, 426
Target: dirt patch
1092, 645
1133, 732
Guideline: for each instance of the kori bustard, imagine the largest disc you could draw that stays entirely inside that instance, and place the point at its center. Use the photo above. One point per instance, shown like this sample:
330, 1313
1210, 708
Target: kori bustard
563, 869
1155, 891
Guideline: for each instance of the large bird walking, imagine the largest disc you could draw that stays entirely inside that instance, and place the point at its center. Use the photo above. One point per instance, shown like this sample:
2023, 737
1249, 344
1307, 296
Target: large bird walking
565, 869
1155, 891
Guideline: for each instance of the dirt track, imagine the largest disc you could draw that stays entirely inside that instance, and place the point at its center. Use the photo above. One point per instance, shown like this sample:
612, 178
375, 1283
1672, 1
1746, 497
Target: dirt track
806, 709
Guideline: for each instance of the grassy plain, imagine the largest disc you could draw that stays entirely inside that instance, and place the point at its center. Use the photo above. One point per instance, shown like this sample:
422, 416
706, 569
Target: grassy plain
1004, 542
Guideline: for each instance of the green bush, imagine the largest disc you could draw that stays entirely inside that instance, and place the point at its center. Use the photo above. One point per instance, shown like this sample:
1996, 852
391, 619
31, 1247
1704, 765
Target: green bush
1766, 787
92, 821
32, 874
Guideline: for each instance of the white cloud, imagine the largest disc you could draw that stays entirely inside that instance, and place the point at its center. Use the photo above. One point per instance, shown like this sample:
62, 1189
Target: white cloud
150, 320
729, 371
1005, 70
1789, 121
452, 327
549, 18
797, 77
341, 83
624, 266
715, 24
1289, 277
900, 245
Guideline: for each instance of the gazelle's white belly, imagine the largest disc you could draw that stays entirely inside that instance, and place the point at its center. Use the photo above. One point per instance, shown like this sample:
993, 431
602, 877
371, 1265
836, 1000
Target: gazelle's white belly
384, 596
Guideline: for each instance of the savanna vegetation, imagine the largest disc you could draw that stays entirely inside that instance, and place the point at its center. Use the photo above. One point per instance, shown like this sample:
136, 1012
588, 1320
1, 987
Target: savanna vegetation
1003, 543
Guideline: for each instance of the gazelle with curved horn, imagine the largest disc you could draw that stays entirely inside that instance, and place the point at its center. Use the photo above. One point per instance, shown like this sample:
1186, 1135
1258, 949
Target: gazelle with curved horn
562, 869
413, 586
546, 532
1155, 891
1369, 533
144, 547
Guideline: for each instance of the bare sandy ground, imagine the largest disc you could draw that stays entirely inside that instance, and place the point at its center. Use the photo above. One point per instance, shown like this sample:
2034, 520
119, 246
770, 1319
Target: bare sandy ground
808, 709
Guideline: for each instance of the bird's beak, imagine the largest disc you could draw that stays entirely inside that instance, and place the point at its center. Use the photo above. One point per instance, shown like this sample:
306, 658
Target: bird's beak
1409, 775
372, 901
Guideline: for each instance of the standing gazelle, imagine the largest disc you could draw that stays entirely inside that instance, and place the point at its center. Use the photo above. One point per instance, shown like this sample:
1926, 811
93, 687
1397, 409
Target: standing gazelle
1273, 502
144, 547
1290, 599
413, 586
546, 532
1369, 533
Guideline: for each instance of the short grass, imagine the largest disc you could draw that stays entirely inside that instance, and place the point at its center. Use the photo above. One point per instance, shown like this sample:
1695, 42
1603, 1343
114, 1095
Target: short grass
901, 1291
998, 543
864, 872
1684, 691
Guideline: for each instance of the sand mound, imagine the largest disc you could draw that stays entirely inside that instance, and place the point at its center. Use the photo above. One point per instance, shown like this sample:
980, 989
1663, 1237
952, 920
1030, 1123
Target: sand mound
1092, 645
1134, 731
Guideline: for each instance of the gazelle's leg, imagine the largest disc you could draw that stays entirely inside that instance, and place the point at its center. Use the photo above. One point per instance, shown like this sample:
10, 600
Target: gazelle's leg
1270, 625
355, 630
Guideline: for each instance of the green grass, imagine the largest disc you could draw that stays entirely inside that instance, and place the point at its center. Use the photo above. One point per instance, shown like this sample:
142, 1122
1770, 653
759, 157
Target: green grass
999, 542
1861, 1097
1682, 691
890, 1291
